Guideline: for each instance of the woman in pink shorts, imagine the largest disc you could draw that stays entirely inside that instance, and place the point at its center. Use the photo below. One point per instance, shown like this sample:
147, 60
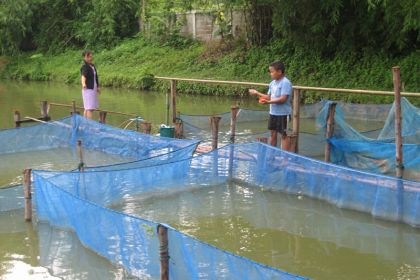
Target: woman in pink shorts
90, 84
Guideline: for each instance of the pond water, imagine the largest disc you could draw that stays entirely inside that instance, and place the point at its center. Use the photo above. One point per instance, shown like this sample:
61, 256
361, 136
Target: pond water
293, 233
296, 234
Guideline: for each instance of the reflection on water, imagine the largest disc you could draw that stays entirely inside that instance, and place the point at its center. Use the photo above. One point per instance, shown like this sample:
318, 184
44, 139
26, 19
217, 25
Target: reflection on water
15, 269
42, 252
28, 252
297, 234
11, 165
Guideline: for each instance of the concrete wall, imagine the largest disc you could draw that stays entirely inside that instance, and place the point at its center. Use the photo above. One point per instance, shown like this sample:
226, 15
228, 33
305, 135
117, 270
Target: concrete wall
200, 25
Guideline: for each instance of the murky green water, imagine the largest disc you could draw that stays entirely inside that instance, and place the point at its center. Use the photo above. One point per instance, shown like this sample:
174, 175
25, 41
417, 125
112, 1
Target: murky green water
11, 165
296, 234
38, 251
25, 97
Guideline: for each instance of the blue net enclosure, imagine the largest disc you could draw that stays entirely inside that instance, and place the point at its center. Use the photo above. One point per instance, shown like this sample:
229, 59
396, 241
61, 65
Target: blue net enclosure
376, 153
81, 201
363, 135
95, 136
52, 146
251, 124
329, 230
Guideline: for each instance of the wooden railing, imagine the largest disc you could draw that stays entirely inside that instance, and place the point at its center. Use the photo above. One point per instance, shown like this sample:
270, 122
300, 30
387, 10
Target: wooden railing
302, 88
297, 93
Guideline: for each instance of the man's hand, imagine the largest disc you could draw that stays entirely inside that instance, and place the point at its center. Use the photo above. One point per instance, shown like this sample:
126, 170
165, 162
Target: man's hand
253, 92
98, 90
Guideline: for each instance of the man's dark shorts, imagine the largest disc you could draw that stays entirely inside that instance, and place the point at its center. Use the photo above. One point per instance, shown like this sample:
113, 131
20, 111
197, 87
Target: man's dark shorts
278, 123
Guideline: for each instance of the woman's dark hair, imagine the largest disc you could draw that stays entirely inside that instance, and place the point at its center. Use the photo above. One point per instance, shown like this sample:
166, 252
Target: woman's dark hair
278, 65
86, 52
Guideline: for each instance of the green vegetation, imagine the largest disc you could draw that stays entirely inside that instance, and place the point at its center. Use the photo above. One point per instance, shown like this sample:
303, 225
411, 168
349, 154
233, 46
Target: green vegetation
340, 43
132, 63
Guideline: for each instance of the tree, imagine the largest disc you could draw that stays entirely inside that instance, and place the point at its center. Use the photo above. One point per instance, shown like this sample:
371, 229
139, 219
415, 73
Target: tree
15, 24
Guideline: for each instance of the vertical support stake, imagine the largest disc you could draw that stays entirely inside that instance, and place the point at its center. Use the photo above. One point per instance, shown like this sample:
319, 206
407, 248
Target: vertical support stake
262, 139
296, 118
168, 106
146, 127
163, 252
28, 195
173, 100
214, 123
233, 115
102, 116
45, 109
81, 166
16, 118
73, 106
330, 130
179, 127
398, 122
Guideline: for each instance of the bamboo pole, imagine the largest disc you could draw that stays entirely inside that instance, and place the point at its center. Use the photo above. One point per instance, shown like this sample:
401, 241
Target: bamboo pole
163, 252
303, 88
330, 130
16, 118
28, 195
398, 123
102, 116
233, 115
81, 166
296, 117
173, 100
214, 123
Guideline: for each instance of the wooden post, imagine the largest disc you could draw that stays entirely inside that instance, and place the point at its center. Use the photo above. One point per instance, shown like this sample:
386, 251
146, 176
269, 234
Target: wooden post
214, 123
28, 195
330, 130
45, 108
262, 139
102, 116
296, 118
173, 100
233, 115
16, 117
168, 107
146, 127
179, 129
137, 123
289, 143
73, 108
81, 166
163, 252
398, 123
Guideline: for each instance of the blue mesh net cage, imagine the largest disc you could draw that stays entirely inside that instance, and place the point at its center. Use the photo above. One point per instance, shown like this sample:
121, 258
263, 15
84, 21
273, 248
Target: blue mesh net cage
81, 201
132, 148
375, 153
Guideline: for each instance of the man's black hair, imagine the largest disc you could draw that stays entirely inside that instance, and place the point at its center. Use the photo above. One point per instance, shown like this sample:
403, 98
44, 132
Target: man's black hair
86, 52
278, 65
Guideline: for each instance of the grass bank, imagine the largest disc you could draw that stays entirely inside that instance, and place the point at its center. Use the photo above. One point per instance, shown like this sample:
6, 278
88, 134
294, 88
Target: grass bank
134, 62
